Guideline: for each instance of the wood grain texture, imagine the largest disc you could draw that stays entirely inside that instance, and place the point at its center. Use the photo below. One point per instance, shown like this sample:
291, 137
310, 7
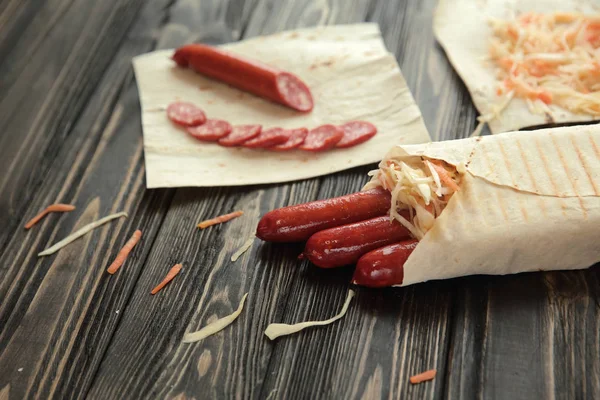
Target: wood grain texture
68, 330
64, 51
55, 316
256, 367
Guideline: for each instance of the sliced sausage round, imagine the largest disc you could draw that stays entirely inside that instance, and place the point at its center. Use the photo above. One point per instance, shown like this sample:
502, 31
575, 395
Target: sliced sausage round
322, 138
240, 134
267, 138
296, 138
211, 131
356, 132
185, 114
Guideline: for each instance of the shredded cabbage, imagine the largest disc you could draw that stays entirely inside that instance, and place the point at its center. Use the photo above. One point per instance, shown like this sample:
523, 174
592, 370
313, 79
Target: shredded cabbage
421, 186
546, 59
215, 326
274, 331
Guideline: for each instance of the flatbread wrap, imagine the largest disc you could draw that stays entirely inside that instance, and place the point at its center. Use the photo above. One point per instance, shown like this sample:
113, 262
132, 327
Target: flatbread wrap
494, 205
525, 202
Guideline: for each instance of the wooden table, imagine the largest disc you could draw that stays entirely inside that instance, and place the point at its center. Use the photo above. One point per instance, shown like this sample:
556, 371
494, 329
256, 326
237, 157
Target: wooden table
70, 131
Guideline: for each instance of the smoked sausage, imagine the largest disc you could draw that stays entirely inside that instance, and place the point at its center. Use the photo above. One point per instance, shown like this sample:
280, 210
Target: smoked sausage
384, 266
297, 223
248, 75
344, 245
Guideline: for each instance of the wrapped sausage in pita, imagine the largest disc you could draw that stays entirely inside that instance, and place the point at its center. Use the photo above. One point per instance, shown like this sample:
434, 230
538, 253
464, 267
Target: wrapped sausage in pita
515, 202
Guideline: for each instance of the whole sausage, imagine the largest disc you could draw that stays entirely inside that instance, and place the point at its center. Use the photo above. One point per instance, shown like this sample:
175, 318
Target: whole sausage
384, 266
297, 223
344, 245
252, 76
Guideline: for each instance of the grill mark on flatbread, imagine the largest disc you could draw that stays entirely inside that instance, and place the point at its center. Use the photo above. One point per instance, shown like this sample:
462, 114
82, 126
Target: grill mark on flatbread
512, 178
500, 204
473, 197
533, 182
584, 165
564, 165
500, 201
545, 162
594, 145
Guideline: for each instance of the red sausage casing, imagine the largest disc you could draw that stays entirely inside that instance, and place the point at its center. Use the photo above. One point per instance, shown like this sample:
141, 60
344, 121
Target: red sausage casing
297, 223
385, 266
345, 244
252, 76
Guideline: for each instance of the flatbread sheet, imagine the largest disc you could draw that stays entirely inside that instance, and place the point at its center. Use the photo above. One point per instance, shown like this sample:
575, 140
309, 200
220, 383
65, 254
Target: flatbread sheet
529, 201
351, 76
462, 29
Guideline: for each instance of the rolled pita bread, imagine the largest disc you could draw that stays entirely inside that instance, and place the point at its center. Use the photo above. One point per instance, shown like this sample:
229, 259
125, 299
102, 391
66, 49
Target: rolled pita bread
528, 201
462, 29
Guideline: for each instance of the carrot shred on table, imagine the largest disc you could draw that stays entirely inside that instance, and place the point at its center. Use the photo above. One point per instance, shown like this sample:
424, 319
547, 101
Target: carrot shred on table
423, 376
170, 275
124, 252
220, 219
51, 208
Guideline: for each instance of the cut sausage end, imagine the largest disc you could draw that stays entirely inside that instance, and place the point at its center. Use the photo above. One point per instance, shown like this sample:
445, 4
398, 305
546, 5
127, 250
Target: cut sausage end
294, 92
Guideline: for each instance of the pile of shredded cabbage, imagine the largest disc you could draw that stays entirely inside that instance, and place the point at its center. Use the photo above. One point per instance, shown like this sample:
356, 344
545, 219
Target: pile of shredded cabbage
420, 185
547, 59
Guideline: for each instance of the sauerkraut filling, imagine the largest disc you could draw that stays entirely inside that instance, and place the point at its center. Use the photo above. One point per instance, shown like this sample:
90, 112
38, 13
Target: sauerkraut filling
546, 59
420, 185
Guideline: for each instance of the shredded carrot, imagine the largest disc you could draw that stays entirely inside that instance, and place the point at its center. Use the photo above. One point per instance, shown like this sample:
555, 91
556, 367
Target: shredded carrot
51, 208
423, 376
429, 207
220, 219
124, 252
444, 176
546, 59
545, 97
172, 274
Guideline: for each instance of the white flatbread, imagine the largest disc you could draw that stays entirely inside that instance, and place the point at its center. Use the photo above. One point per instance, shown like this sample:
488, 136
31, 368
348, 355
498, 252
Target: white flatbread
351, 76
462, 29
529, 201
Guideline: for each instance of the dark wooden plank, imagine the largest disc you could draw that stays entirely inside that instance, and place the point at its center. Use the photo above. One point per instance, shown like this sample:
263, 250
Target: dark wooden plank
49, 70
58, 313
240, 362
393, 333
527, 336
